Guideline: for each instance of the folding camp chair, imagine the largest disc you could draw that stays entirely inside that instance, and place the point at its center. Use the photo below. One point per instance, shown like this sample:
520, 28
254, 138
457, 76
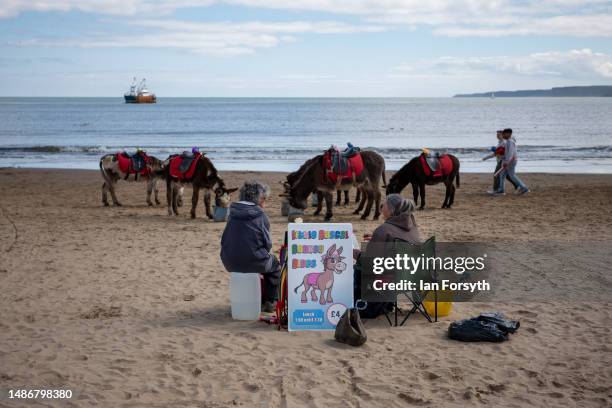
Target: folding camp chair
429, 275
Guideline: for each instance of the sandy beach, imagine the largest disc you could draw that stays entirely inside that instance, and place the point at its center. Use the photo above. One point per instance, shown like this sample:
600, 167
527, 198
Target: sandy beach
128, 307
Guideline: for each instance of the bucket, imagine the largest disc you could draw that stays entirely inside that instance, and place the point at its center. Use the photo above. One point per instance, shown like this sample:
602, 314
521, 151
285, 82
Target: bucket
220, 214
315, 200
294, 213
285, 208
245, 295
444, 307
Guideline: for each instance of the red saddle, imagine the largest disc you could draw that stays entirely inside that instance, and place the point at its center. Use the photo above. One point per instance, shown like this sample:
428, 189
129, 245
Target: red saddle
444, 168
136, 164
336, 167
181, 169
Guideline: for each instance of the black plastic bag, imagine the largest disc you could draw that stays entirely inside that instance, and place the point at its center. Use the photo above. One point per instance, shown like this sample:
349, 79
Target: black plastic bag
476, 330
506, 325
350, 329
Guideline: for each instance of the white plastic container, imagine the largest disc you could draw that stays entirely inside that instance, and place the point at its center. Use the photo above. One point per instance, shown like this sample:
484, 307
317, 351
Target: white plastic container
245, 295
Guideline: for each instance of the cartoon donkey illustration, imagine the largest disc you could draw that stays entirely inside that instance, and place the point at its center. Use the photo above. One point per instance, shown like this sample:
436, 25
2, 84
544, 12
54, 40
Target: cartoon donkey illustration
332, 262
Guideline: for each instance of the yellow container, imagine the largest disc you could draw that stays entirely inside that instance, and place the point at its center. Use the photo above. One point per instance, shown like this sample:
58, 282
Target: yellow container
444, 308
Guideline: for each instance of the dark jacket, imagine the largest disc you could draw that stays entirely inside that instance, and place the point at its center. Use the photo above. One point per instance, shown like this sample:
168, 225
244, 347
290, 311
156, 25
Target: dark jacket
246, 242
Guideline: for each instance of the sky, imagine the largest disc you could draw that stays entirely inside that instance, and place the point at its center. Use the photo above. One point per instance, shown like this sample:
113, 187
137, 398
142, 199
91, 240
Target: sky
294, 48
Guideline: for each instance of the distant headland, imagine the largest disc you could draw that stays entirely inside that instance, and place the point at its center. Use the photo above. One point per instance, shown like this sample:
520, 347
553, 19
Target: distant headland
575, 91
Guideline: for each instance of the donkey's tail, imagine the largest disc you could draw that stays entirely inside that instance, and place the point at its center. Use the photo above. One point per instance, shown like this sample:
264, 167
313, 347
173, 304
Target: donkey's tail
384, 177
458, 183
295, 290
103, 170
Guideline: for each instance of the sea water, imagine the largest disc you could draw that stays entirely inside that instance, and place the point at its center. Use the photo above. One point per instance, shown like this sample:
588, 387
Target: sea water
572, 135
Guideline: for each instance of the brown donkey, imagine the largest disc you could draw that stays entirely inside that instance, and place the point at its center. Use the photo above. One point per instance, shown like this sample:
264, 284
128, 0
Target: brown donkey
414, 173
111, 173
312, 178
205, 176
295, 176
323, 281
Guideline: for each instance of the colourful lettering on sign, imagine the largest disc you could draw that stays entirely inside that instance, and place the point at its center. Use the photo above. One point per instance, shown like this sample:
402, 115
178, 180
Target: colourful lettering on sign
307, 249
303, 263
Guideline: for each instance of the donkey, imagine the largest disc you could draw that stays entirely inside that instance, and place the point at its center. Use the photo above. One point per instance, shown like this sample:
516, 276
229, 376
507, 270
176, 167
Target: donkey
293, 177
109, 167
413, 173
323, 281
312, 178
204, 177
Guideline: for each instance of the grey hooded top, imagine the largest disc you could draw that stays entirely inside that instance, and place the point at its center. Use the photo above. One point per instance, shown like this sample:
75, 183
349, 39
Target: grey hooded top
246, 242
401, 226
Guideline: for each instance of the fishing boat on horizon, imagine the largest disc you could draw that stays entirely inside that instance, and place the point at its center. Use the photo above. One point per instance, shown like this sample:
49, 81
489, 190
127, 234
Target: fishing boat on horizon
140, 93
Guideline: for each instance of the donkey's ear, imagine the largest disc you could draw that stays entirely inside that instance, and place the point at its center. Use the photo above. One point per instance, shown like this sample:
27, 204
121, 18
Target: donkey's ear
231, 190
331, 250
340, 250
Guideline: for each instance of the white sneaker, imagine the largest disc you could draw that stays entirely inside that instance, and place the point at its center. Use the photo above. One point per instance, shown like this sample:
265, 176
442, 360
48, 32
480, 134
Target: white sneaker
523, 191
498, 194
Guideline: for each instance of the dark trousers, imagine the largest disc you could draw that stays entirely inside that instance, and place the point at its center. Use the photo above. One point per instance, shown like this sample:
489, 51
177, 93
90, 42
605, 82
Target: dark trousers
269, 286
496, 178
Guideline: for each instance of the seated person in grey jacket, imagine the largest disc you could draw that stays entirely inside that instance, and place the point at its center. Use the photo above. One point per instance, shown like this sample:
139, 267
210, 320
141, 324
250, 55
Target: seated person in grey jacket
399, 224
246, 242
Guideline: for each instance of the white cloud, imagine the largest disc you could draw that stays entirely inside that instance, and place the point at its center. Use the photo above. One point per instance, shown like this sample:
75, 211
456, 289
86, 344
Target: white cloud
574, 64
10, 8
217, 39
445, 17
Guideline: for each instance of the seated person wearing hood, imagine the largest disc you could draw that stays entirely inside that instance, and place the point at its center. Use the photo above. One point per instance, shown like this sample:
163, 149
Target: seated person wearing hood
399, 223
246, 241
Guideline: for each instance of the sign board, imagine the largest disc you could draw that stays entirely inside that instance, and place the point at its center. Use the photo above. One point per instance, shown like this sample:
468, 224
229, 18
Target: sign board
320, 275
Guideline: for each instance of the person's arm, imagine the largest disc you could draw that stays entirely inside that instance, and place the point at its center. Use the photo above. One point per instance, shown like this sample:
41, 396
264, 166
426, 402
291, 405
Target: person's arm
264, 242
490, 156
510, 152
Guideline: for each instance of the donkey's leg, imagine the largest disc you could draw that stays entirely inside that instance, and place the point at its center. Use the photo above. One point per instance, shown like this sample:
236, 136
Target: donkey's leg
111, 187
347, 200
156, 191
322, 296
104, 194
452, 195
422, 192
378, 197
313, 294
174, 198
338, 197
329, 297
329, 205
358, 195
415, 193
363, 197
319, 202
149, 191
181, 193
194, 200
169, 196
446, 194
207, 204
303, 297
368, 209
